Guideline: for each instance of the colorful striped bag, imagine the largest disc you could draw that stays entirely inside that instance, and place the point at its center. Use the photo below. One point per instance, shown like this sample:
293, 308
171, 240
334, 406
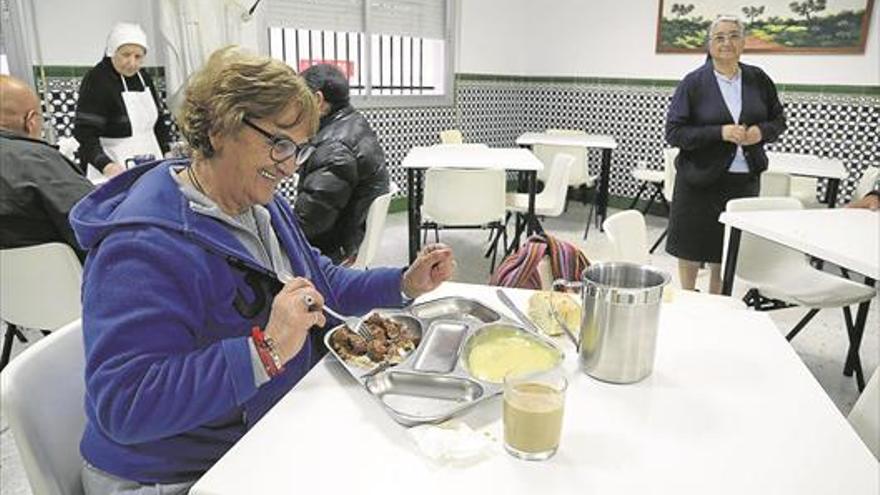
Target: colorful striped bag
520, 269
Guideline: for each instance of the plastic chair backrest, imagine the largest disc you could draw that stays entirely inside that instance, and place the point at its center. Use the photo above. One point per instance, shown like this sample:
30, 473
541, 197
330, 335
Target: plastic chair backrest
376, 216
866, 183
547, 153
628, 235
669, 155
457, 197
43, 392
451, 136
759, 259
775, 184
865, 415
40, 286
551, 201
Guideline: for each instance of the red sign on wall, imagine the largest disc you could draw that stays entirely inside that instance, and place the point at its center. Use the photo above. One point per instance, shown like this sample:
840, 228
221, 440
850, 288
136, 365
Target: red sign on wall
346, 66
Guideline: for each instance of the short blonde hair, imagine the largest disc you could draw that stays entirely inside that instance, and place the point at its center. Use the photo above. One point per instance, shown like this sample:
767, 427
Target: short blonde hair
235, 84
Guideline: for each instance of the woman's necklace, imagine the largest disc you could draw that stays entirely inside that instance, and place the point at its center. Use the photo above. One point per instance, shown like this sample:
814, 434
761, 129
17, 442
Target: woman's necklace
195, 180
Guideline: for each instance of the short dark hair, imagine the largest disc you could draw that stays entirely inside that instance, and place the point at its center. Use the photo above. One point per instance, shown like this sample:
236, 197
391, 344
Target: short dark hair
330, 81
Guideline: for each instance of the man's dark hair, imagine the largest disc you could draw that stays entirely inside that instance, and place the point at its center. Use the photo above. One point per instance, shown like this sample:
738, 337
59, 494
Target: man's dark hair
330, 81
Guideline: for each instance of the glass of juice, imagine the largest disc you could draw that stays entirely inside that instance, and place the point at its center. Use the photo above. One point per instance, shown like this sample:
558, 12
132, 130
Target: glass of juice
533, 407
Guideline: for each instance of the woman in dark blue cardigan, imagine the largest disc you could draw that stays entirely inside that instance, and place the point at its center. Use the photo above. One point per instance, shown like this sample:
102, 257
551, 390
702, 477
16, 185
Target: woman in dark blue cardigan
720, 117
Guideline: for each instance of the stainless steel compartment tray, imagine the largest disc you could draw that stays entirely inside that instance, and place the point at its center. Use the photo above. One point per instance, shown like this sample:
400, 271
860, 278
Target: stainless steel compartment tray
432, 383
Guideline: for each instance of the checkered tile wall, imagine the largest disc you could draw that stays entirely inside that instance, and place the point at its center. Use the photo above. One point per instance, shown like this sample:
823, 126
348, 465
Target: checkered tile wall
496, 112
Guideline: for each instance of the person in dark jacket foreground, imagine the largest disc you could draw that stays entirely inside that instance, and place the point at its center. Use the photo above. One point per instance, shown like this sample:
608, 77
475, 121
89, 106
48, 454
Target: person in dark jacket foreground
38, 185
720, 117
345, 173
200, 289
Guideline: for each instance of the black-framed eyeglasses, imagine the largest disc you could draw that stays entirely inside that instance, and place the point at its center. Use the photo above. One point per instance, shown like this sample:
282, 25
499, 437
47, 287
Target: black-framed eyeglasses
283, 148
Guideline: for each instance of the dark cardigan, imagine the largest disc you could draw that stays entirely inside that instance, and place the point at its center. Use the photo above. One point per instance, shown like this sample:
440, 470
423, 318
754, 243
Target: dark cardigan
697, 113
100, 112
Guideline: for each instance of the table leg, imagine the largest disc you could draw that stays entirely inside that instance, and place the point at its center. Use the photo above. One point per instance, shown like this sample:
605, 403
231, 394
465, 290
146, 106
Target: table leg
853, 360
730, 262
414, 203
831, 193
602, 193
532, 178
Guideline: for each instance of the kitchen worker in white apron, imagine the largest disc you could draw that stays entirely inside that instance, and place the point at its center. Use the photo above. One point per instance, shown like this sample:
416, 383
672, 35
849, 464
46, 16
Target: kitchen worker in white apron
119, 115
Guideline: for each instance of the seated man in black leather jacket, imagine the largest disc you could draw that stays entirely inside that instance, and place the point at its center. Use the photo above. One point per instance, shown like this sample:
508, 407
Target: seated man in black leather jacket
38, 185
344, 174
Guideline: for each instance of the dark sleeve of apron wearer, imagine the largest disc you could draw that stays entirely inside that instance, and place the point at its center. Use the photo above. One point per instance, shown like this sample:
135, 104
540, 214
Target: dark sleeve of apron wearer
90, 122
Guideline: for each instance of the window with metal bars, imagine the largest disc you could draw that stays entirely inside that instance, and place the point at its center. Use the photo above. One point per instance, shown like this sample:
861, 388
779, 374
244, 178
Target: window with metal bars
397, 65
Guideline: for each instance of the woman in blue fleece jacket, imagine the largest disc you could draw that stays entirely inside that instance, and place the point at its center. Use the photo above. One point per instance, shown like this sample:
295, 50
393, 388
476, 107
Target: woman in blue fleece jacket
189, 335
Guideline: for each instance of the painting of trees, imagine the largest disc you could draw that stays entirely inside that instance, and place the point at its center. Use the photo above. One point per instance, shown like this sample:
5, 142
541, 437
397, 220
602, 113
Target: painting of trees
805, 26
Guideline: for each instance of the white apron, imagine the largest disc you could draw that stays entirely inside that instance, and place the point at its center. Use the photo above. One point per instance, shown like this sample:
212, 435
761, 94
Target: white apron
142, 114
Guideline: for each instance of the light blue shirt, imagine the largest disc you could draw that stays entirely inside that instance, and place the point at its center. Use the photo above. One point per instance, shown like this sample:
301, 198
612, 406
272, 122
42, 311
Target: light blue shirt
731, 91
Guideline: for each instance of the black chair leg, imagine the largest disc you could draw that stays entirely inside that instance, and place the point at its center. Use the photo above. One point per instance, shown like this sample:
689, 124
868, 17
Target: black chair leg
589, 220
658, 241
801, 324
12, 332
638, 195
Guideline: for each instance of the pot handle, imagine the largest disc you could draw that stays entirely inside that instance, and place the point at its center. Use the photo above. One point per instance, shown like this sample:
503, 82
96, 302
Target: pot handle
562, 285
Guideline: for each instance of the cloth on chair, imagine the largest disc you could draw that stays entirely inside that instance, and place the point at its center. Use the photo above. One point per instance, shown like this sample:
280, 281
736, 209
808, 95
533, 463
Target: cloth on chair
520, 269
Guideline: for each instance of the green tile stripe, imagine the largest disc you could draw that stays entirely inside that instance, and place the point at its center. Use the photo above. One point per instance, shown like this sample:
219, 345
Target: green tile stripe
79, 71
664, 83
159, 71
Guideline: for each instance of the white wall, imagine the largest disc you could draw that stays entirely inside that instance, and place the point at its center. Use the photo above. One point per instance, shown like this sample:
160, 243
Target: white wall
585, 38
75, 32
615, 38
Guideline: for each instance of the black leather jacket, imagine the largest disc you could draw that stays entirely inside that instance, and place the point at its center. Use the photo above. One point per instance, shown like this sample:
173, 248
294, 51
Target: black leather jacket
338, 183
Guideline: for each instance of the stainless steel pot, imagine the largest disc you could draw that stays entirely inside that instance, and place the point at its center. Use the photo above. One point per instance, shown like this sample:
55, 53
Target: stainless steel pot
621, 311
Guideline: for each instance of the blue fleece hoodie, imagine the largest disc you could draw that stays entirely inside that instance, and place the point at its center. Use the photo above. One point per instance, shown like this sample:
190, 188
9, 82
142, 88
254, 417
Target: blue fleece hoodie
169, 299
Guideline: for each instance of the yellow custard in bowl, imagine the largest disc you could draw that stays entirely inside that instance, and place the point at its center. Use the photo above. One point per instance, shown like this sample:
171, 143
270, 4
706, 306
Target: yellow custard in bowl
494, 351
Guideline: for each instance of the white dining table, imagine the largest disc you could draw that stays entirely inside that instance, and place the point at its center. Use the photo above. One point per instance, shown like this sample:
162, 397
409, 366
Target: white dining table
810, 166
598, 141
464, 156
729, 409
847, 237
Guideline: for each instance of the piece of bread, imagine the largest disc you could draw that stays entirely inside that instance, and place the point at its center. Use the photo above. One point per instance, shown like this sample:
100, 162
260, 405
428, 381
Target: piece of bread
566, 308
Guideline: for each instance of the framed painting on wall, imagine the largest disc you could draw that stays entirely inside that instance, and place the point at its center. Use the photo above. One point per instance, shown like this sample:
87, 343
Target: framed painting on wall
783, 26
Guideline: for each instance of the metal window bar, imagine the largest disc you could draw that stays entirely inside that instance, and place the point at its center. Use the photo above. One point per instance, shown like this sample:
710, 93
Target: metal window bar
387, 85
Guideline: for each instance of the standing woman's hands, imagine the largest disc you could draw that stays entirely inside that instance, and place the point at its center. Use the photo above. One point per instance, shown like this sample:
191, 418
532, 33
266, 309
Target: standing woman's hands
434, 265
733, 133
752, 136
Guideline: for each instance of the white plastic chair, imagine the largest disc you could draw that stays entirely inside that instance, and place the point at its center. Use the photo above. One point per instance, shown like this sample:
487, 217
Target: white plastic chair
777, 273
776, 184
580, 176
865, 415
628, 236
465, 199
804, 190
43, 391
550, 202
40, 288
376, 216
451, 136
652, 181
866, 183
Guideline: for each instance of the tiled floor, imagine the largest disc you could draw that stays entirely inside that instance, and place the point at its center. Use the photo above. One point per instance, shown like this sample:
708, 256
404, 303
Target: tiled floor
822, 344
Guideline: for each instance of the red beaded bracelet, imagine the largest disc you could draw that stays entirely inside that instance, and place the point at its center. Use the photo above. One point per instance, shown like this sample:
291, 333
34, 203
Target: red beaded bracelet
268, 352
